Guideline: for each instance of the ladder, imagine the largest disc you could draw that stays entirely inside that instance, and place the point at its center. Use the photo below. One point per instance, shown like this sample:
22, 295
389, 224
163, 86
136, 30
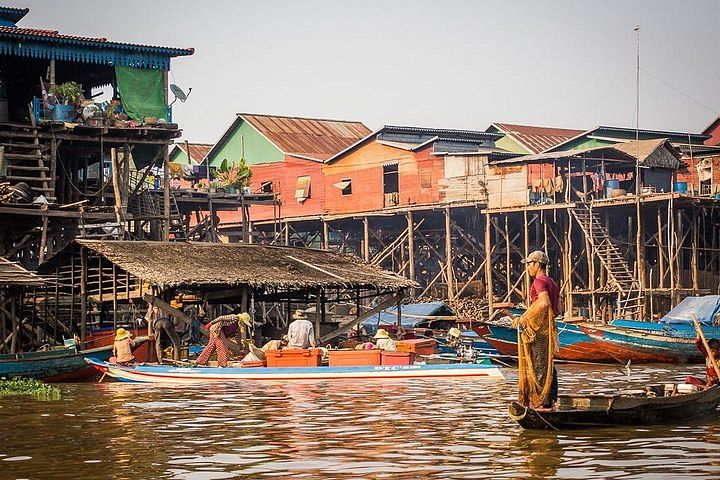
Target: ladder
26, 160
620, 277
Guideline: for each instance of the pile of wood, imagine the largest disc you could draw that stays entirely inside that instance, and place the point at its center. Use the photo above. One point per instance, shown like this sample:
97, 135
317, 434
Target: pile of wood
470, 309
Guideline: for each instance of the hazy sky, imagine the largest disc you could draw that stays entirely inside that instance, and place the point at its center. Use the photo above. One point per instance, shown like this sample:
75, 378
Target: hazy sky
445, 64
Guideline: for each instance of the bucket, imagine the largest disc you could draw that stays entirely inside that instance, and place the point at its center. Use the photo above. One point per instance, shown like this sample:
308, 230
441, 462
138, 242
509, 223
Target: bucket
611, 185
63, 113
680, 187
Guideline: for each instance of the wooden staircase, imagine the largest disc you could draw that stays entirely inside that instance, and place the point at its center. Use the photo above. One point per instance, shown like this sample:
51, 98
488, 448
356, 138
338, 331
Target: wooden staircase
25, 159
620, 276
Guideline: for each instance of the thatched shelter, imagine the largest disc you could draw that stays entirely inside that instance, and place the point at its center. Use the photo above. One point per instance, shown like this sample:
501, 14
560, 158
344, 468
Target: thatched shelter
99, 276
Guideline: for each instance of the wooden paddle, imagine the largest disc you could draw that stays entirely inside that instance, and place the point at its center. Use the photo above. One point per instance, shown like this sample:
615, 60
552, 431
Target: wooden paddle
700, 333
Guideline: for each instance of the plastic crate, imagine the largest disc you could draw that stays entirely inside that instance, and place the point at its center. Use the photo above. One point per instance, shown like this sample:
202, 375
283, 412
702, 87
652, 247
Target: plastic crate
397, 358
419, 346
294, 358
354, 358
249, 364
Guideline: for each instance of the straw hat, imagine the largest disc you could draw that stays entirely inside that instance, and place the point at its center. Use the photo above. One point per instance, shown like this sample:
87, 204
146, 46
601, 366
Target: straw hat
381, 333
244, 317
121, 334
299, 315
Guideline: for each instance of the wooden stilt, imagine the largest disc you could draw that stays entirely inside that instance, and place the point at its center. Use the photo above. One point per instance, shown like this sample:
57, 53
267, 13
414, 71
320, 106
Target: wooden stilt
449, 255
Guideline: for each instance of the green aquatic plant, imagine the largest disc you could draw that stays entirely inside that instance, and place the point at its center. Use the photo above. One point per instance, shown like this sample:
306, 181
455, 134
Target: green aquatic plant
28, 386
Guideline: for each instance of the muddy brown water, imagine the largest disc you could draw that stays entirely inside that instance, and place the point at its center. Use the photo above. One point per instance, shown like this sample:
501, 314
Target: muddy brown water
352, 429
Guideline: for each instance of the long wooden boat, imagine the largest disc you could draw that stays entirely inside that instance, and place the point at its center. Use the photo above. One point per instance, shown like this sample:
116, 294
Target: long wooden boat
59, 365
575, 344
172, 374
640, 407
643, 346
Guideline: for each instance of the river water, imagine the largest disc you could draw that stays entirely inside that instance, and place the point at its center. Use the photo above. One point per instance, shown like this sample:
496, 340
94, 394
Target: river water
366, 429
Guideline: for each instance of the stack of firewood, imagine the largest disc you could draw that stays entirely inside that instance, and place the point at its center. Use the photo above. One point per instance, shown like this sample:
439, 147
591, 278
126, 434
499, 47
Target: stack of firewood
470, 309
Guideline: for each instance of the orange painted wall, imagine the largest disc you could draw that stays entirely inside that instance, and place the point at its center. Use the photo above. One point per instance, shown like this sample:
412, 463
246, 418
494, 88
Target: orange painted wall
364, 167
284, 177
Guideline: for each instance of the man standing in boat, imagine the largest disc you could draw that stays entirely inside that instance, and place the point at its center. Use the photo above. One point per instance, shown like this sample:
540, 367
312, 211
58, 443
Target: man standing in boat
537, 337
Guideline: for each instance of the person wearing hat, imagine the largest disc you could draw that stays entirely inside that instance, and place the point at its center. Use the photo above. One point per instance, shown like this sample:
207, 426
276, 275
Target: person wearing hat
711, 374
301, 332
384, 342
122, 348
537, 340
221, 329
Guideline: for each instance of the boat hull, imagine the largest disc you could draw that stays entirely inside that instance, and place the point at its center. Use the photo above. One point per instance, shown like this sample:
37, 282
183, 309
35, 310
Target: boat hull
52, 366
619, 411
575, 345
639, 346
170, 374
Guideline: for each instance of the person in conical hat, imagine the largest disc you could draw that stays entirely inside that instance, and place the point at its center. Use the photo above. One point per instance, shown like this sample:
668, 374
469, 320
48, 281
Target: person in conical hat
301, 332
383, 341
122, 348
220, 330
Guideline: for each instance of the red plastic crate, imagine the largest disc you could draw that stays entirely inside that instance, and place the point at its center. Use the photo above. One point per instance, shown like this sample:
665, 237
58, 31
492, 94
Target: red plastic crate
397, 358
419, 346
353, 358
294, 358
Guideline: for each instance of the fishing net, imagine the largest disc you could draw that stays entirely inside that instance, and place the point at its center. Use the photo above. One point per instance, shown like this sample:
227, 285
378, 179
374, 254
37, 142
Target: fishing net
536, 347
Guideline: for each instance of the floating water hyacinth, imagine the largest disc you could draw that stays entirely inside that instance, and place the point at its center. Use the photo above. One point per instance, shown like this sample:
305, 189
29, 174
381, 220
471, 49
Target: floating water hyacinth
28, 386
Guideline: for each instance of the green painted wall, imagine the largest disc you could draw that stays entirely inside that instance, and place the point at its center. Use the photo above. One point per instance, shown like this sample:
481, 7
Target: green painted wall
510, 145
178, 155
582, 143
257, 148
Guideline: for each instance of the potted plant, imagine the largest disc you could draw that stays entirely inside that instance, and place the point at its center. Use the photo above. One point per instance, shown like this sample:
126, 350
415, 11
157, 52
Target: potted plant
233, 177
68, 96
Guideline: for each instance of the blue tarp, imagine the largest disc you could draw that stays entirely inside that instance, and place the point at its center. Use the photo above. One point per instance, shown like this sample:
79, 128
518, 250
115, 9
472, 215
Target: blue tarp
411, 315
706, 309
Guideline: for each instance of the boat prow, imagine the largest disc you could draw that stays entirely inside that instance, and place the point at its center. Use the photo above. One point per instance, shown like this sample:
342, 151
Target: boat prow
171, 374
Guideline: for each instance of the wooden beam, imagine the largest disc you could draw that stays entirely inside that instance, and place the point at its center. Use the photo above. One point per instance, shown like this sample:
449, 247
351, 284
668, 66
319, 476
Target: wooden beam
411, 244
380, 307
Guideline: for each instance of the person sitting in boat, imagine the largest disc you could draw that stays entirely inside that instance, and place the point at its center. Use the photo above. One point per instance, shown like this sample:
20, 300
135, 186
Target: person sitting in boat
301, 332
712, 376
220, 330
122, 348
384, 342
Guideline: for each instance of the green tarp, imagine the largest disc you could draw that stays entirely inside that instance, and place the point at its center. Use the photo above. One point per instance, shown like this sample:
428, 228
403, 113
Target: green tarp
141, 92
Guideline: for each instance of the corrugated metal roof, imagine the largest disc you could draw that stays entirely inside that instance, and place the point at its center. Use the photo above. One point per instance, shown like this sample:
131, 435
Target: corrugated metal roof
537, 139
647, 152
313, 138
13, 14
54, 35
607, 152
197, 150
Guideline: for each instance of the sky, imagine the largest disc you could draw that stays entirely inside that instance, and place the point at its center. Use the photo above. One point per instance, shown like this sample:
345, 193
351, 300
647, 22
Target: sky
442, 64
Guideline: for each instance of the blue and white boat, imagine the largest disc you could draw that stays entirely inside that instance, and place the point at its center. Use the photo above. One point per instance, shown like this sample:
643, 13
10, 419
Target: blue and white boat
146, 373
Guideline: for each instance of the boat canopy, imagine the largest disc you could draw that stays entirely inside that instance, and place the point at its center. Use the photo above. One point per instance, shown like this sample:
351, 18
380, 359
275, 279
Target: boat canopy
705, 308
411, 315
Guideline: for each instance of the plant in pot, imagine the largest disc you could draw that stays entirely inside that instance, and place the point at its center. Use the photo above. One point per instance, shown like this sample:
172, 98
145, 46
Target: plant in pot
233, 177
68, 96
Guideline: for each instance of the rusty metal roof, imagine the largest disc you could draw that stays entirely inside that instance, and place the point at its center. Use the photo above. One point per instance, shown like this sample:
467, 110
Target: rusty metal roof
311, 138
197, 150
536, 139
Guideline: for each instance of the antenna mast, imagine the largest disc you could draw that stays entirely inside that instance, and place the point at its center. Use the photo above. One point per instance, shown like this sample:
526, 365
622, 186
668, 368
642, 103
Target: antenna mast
637, 86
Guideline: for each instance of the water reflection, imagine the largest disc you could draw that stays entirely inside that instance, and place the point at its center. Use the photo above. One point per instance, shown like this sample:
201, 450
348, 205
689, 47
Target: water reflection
352, 429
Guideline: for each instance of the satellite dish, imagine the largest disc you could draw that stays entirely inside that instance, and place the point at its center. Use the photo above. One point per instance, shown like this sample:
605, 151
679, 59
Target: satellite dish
179, 93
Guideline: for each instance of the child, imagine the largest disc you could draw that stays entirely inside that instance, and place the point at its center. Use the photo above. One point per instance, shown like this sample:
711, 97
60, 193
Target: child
122, 353
712, 377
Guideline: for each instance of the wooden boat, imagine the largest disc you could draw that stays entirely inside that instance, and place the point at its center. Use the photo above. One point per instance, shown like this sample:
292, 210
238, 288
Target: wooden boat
635, 407
643, 346
172, 374
575, 344
59, 365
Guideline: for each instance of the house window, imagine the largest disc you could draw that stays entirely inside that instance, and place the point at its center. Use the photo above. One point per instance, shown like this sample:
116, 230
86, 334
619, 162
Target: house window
425, 179
390, 178
302, 190
345, 186
266, 187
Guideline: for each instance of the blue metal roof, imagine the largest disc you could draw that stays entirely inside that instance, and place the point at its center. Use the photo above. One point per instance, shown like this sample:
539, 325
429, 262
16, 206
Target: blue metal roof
410, 315
10, 16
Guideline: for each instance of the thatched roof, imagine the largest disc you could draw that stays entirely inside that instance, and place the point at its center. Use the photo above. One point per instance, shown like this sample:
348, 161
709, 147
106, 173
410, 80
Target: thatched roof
12, 273
172, 264
656, 153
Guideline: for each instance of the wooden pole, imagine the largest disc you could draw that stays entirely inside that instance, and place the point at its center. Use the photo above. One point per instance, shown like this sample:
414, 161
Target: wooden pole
694, 257
661, 252
166, 193
114, 164
326, 234
449, 255
411, 244
318, 310
115, 297
83, 293
366, 239
488, 267
508, 280
710, 353
526, 252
